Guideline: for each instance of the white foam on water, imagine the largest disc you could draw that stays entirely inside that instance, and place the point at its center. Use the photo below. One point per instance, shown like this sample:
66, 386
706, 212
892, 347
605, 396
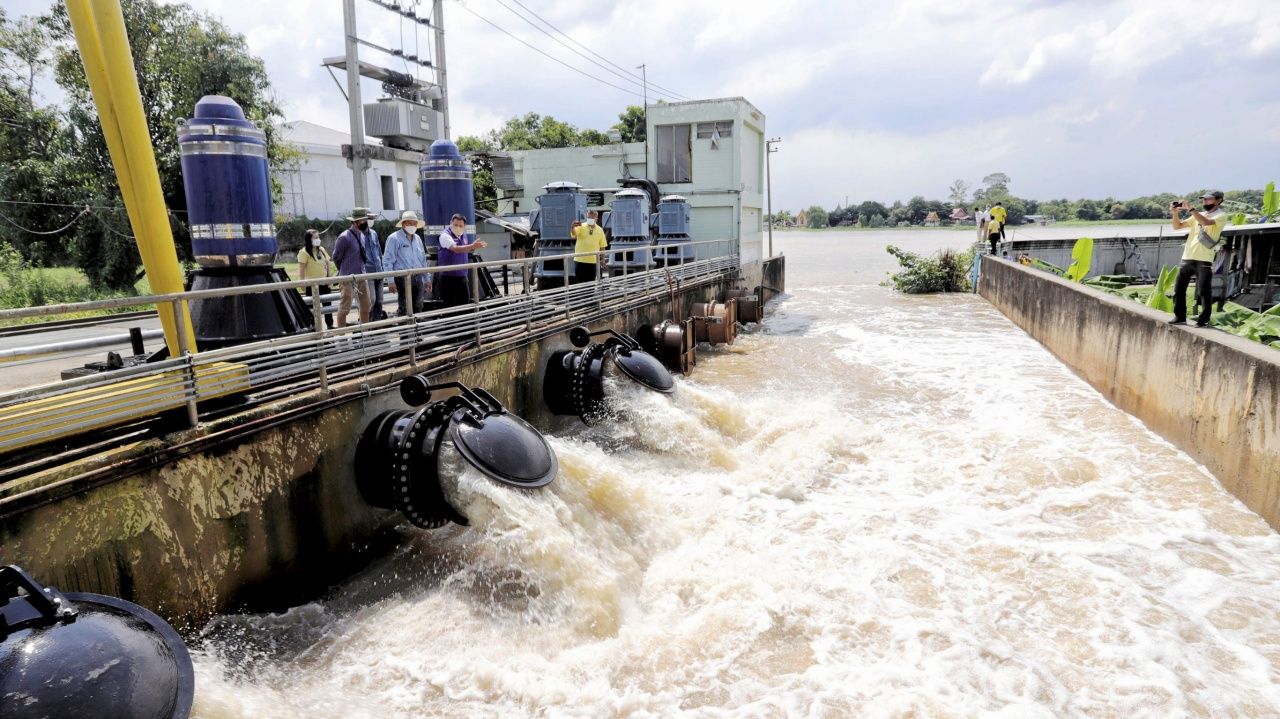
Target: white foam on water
873, 506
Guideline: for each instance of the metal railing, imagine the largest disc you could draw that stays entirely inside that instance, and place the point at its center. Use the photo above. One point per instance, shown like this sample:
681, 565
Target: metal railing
269, 369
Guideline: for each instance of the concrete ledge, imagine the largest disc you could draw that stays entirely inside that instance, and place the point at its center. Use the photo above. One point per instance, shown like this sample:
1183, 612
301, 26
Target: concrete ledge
1211, 393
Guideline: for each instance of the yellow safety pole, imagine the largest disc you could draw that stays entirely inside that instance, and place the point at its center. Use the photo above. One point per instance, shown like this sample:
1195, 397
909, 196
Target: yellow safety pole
104, 48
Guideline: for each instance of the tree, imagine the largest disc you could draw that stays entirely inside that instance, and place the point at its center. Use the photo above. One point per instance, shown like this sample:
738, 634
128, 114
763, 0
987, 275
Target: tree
995, 182
958, 193
917, 209
486, 192
631, 124
869, 210
180, 55
538, 132
30, 147
816, 217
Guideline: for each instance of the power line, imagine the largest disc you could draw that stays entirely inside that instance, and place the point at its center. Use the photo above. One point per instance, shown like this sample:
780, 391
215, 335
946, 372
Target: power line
625, 76
60, 230
544, 53
544, 21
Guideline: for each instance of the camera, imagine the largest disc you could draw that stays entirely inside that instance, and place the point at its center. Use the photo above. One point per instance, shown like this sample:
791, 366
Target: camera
1176, 205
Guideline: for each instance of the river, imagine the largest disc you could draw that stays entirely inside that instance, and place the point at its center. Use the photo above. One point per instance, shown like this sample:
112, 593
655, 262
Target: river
874, 505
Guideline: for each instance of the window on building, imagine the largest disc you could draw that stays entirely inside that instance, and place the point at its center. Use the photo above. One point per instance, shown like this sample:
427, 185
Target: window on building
400, 203
675, 153
724, 128
388, 192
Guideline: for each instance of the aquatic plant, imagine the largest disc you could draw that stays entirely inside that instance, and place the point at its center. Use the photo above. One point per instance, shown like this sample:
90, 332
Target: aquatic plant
1159, 298
943, 271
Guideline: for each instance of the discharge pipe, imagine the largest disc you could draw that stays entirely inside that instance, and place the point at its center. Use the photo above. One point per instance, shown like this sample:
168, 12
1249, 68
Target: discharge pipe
76, 654
404, 454
573, 383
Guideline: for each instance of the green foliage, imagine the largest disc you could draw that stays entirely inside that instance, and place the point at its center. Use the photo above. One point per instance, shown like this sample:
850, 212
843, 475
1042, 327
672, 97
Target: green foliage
815, 217
958, 193
631, 124
24, 286
1159, 298
944, 271
1081, 258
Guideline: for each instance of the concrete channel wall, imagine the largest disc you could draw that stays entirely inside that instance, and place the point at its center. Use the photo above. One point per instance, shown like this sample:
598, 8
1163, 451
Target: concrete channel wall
258, 510
1214, 395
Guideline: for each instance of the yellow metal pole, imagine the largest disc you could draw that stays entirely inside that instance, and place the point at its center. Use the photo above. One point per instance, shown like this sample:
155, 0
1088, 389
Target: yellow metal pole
104, 47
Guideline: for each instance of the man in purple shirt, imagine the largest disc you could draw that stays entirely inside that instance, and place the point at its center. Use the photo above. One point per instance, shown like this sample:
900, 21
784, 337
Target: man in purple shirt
349, 254
453, 283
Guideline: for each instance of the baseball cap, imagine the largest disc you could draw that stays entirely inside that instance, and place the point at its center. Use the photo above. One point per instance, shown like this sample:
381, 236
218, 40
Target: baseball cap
1217, 194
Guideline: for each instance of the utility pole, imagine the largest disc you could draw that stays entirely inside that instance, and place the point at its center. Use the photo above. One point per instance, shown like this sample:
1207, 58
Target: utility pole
358, 159
768, 173
442, 79
644, 83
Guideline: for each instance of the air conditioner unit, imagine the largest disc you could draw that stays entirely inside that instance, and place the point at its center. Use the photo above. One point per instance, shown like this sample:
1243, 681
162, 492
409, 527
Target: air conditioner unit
403, 123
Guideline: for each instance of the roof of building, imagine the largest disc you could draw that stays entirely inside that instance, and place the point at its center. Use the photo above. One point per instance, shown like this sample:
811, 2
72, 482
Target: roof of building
305, 132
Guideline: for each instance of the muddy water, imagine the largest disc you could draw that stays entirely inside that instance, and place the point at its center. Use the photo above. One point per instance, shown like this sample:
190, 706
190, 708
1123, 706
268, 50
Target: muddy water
875, 505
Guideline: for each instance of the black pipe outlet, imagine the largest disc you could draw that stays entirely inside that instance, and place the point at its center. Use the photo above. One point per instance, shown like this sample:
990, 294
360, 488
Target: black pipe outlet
399, 458
573, 383
77, 654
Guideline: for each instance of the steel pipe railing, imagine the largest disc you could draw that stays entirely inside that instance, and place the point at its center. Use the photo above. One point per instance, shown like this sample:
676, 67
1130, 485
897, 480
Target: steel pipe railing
315, 355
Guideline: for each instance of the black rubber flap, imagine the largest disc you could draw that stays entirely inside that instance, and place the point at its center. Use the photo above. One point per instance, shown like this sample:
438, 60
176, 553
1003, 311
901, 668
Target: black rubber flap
115, 661
645, 369
505, 448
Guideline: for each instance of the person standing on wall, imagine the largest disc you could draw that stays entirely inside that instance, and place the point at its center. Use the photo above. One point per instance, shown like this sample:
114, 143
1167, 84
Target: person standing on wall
1204, 230
348, 252
590, 239
405, 252
1001, 215
454, 287
993, 233
314, 263
373, 263
978, 219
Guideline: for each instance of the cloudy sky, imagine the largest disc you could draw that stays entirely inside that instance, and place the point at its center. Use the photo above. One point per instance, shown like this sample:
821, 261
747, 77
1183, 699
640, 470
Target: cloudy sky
882, 101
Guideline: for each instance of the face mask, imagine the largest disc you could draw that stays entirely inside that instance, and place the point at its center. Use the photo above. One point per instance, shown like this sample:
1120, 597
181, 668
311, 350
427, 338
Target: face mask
315, 242
410, 229
1208, 208
590, 221
362, 226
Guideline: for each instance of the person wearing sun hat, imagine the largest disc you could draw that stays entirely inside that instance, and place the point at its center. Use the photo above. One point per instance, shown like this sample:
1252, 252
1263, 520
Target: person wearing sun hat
351, 257
1204, 232
405, 252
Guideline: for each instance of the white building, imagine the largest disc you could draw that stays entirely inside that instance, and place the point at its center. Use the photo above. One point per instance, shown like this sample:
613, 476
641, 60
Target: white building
709, 151
321, 188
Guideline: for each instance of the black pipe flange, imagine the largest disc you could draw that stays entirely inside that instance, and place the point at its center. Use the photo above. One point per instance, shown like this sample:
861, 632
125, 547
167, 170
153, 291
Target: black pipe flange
573, 383
87, 655
398, 459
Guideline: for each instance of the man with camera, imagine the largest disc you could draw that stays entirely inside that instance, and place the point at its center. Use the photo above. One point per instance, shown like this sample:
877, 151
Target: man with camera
1203, 232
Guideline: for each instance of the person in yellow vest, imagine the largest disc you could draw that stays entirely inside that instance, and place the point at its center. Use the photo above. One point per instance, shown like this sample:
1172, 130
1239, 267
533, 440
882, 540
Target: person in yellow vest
314, 263
589, 238
1204, 230
993, 232
1000, 214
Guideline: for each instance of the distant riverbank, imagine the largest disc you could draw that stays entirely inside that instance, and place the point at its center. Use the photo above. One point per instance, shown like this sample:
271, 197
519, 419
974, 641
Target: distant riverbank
970, 228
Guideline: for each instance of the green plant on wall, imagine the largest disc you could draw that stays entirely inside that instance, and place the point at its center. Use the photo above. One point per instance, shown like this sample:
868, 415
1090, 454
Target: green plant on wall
1159, 298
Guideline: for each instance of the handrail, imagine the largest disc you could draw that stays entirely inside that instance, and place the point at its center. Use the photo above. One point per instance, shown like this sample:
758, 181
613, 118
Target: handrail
66, 308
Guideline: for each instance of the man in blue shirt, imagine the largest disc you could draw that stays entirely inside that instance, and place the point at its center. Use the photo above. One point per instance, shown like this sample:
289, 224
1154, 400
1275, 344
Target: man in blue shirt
405, 252
349, 254
373, 263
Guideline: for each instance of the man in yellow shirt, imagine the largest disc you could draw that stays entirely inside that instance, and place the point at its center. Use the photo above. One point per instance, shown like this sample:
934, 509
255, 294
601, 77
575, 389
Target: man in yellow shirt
1204, 230
999, 214
589, 238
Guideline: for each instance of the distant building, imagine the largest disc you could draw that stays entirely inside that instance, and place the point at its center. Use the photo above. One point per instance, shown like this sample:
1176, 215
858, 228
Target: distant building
959, 215
802, 219
321, 187
931, 220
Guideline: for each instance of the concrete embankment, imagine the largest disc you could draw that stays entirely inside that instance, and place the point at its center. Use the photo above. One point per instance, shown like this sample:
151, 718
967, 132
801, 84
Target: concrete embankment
259, 509
1214, 395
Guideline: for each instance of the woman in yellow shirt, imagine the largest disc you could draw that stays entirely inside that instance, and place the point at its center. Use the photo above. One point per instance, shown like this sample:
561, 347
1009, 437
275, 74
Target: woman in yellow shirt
315, 263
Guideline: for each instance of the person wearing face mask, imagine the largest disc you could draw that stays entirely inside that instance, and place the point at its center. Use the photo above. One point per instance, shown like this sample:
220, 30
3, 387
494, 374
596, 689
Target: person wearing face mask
314, 263
405, 252
349, 253
589, 239
454, 250
1204, 232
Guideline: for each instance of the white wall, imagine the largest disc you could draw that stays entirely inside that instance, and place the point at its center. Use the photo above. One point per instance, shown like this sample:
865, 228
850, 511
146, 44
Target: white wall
322, 186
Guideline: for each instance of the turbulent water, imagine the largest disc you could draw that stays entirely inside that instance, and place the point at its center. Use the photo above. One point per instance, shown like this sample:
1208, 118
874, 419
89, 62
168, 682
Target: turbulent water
875, 505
